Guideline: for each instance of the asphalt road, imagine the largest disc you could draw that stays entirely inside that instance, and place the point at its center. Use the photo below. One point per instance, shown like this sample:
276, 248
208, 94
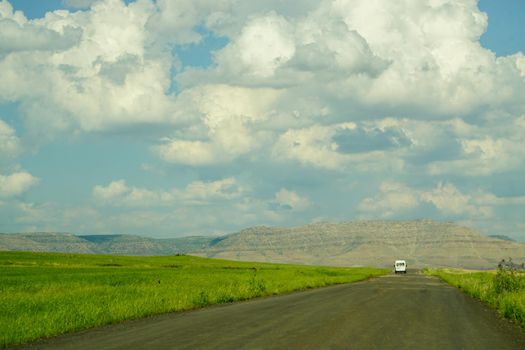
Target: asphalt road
390, 312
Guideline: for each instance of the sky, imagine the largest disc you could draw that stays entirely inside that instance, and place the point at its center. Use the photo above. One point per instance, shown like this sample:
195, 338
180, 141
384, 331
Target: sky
197, 117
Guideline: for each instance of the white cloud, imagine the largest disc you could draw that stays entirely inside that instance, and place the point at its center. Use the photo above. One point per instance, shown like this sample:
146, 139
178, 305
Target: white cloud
113, 190
178, 20
396, 198
290, 199
175, 20
226, 189
80, 4
483, 157
104, 79
450, 201
6, 11
392, 198
309, 146
435, 56
454, 146
16, 183
228, 114
19, 34
421, 60
220, 102
347, 89
38, 215
50, 217
264, 44
492, 200
424, 57
118, 193
228, 140
187, 152
418, 57
317, 146
10, 145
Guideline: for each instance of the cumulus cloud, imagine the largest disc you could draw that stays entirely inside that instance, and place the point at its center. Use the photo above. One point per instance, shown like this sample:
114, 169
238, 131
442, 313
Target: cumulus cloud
369, 139
330, 147
264, 44
229, 140
433, 49
79, 4
118, 193
180, 20
19, 34
392, 198
450, 201
421, 59
349, 90
187, 152
439, 147
289, 200
225, 189
218, 207
421, 56
10, 145
481, 157
104, 79
16, 183
176, 20
312, 145
228, 114
113, 190
331, 66
396, 198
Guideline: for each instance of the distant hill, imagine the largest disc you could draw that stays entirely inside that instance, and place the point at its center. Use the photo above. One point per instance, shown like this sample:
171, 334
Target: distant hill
100, 244
45, 242
359, 243
370, 243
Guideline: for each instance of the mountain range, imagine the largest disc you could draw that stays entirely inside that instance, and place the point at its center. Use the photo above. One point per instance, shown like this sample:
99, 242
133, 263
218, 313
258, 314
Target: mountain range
357, 243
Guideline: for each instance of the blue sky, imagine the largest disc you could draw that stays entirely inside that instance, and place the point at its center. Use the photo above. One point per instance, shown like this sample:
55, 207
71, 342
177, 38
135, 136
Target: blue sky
175, 118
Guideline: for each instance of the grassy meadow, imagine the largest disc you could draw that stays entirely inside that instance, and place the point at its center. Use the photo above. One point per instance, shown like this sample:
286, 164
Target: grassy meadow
503, 289
47, 294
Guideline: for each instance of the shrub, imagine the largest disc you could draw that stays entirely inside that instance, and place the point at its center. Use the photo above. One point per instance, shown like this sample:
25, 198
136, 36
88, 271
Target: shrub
506, 280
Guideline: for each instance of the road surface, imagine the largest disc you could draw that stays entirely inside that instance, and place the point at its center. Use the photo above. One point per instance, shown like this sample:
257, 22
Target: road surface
390, 312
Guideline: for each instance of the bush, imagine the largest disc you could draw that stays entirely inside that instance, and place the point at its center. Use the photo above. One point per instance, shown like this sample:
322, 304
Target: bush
506, 280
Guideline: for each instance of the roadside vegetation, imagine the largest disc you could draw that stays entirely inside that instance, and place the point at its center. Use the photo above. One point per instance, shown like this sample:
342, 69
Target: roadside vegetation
503, 289
47, 294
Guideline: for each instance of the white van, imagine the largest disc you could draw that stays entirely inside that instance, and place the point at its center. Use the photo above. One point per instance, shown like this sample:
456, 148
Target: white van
400, 266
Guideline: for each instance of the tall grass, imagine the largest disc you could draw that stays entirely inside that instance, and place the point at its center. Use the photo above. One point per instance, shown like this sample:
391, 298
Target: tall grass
45, 294
503, 289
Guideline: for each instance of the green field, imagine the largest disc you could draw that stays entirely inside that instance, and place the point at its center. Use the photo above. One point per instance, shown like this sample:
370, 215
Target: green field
503, 290
46, 294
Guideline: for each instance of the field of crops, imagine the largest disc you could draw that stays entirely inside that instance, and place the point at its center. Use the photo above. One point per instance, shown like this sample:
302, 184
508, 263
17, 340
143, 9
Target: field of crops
504, 289
45, 294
